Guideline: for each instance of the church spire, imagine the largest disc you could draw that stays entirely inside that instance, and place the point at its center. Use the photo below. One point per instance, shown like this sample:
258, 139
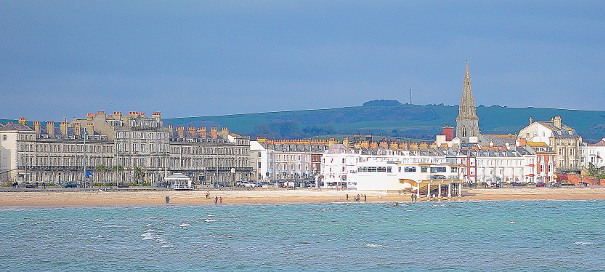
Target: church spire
467, 122
467, 101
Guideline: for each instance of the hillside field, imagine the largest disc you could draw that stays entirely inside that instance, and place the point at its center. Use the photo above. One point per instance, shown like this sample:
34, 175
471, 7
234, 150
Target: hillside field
421, 122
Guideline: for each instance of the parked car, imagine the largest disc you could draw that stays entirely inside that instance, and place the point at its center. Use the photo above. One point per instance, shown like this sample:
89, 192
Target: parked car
250, 185
70, 184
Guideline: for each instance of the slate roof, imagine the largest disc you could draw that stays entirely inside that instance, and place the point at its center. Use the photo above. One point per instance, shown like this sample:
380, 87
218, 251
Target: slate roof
564, 132
13, 126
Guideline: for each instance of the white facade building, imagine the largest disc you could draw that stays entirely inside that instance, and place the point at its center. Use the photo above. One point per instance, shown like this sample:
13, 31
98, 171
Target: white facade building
593, 153
336, 165
259, 162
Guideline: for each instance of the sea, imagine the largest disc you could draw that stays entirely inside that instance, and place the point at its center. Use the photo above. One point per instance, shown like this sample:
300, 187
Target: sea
422, 236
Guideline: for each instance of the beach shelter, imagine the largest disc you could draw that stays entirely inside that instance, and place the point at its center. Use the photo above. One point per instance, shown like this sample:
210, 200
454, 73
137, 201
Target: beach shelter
178, 181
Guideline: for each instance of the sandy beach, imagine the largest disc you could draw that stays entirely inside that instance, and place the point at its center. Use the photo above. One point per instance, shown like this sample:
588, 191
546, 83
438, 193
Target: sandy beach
40, 198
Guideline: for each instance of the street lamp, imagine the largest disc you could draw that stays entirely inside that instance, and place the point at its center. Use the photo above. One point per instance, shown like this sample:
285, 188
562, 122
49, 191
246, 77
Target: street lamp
84, 150
233, 176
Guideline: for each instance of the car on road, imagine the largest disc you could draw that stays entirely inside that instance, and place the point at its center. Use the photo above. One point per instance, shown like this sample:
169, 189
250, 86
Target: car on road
70, 184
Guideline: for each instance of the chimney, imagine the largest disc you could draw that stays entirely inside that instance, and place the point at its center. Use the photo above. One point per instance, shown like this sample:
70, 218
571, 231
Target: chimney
557, 122
37, 127
50, 128
157, 115
404, 146
181, 132
22, 121
63, 128
522, 142
332, 141
77, 129
117, 115
345, 141
202, 132
89, 116
225, 132
192, 132
531, 120
448, 132
170, 131
90, 129
213, 133
365, 144
413, 146
373, 144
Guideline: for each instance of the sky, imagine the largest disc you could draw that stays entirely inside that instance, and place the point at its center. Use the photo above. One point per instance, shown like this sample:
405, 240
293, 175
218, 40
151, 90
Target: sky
63, 59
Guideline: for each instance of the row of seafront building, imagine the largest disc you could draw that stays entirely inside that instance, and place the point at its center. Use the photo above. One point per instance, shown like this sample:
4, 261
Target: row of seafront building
136, 148
131, 148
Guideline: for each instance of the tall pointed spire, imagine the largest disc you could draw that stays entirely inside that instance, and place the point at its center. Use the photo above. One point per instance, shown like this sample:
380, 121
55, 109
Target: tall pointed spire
467, 122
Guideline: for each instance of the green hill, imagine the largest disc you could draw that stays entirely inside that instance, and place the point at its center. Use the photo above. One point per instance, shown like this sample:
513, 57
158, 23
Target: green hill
387, 119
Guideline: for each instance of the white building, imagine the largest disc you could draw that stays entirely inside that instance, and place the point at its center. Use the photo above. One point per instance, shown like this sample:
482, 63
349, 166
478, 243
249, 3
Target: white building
563, 140
593, 153
381, 175
259, 162
336, 165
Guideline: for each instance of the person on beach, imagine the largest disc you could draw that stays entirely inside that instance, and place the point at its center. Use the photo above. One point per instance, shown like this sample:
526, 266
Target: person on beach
347, 197
215, 200
167, 200
365, 198
220, 199
207, 195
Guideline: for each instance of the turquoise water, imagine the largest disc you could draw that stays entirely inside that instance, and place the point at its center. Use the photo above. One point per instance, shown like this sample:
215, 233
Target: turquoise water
447, 236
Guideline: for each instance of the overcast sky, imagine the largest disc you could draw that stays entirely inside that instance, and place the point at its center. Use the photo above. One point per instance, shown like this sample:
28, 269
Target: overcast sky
193, 58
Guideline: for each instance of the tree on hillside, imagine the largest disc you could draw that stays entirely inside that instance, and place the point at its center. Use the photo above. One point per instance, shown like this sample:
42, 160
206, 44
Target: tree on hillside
382, 103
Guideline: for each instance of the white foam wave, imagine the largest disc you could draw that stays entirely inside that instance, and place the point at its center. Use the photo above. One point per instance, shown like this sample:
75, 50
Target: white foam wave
148, 236
582, 243
374, 245
184, 225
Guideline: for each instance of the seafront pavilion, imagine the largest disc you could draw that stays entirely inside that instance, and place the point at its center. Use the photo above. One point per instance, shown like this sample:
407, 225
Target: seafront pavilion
453, 187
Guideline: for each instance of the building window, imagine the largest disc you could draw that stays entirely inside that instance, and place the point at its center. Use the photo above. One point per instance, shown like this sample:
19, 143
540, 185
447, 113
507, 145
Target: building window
409, 169
437, 170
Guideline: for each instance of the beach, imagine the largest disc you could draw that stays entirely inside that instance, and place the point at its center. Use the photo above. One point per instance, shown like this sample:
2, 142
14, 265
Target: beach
72, 198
